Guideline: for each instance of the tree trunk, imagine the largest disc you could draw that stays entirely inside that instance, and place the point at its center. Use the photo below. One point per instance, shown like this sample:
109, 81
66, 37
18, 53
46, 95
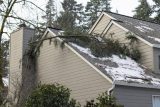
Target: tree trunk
1, 62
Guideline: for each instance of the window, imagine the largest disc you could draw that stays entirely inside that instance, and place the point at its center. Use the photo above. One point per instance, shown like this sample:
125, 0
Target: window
159, 62
156, 100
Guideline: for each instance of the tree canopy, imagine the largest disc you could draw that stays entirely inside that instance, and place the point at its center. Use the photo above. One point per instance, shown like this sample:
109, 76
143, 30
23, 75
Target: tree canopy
143, 11
93, 10
71, 16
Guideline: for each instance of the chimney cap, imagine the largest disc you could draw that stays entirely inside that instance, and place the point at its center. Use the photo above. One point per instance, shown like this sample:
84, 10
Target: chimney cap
22, 25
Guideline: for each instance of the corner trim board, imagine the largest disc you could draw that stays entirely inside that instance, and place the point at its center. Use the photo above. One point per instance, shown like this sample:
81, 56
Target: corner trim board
97, 21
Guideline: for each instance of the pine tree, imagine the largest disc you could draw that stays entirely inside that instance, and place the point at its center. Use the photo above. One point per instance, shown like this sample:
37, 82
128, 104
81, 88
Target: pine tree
157, 11
50, 14
143, 11
71, 17
93, 9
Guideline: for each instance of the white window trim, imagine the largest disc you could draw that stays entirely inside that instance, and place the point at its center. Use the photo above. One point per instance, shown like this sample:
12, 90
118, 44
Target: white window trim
154, 96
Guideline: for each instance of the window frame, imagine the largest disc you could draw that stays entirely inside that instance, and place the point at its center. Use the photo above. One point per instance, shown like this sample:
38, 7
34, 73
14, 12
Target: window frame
153, 97
159, 61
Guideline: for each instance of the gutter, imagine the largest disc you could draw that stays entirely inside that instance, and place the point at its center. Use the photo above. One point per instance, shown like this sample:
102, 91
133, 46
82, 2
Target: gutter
156, 45
122, 83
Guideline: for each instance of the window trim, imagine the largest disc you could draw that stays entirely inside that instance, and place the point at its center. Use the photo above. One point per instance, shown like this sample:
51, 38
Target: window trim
159, 61
154, 96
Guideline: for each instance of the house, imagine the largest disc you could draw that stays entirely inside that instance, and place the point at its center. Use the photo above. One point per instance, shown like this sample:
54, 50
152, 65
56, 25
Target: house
146, 32
133, 84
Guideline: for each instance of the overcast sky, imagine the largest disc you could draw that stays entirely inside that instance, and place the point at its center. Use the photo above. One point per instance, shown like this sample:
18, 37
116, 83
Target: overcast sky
124, 7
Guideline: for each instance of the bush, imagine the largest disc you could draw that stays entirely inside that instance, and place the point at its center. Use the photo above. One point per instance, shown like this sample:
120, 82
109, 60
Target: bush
1, 99
50, 96
103, 101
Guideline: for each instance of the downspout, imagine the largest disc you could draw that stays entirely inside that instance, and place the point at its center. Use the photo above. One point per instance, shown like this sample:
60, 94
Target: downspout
111, 89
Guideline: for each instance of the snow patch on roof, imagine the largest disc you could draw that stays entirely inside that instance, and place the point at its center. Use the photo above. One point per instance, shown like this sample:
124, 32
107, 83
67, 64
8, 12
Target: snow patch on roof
129, 23
147, 28
144, 28
140, 29
143, 24
5, 81
127, 70
154, 38
84, 50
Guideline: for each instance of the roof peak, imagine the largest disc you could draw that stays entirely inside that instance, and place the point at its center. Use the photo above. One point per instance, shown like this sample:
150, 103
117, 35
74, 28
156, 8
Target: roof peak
55, 28
131, 17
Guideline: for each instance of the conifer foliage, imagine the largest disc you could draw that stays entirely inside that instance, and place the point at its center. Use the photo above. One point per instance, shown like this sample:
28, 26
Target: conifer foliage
71, 15
157, 11
93, 10
143, 11
50, 14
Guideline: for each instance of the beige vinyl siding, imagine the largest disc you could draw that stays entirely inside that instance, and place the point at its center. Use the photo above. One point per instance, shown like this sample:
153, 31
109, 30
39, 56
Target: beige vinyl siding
101, 24
146, 54
146, 50
15, 59
119, 34
55, 65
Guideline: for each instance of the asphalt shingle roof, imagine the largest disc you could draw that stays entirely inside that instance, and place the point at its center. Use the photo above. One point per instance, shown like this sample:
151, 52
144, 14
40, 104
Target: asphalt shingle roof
144, 29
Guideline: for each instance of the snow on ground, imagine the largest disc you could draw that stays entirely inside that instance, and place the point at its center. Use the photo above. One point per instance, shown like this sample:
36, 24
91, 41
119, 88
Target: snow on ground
154, 38
127, 70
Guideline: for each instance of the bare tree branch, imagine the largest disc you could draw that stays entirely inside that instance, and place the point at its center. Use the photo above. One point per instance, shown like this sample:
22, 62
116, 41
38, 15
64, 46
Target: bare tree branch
35, 5
15, 17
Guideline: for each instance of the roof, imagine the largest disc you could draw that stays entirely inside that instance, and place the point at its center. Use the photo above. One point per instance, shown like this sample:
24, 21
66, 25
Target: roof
147, 30
55, 30
122, 71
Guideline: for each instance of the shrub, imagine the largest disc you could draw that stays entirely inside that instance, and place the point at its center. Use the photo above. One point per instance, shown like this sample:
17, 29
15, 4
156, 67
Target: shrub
1, 99
104, 100
50, 96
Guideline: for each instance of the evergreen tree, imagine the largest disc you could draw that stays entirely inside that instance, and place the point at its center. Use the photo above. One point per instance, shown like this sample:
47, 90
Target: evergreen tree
71, 17
157, 11
143, 11
93, 9
50, 14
